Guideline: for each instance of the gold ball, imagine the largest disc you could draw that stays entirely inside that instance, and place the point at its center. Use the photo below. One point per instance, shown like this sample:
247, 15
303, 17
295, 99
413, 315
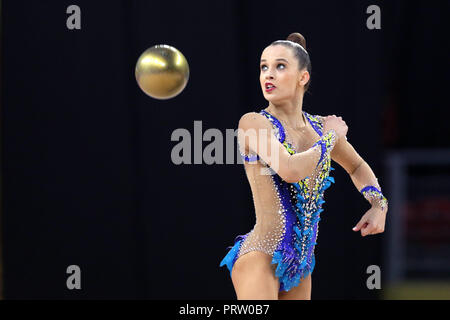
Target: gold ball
162, 72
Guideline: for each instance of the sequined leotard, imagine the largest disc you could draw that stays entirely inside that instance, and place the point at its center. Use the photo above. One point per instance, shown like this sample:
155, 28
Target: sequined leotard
287, 214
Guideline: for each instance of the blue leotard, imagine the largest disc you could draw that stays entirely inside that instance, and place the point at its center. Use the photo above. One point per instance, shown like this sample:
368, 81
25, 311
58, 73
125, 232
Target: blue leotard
287, 214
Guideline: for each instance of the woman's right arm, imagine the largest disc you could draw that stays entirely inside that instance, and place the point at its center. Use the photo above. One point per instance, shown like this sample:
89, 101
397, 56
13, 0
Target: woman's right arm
255, 133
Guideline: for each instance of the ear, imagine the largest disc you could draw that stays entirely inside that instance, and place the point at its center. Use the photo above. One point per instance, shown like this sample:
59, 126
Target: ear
304, 78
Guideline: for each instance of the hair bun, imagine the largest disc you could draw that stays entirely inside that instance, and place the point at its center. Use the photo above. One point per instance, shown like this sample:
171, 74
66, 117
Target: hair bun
298, 38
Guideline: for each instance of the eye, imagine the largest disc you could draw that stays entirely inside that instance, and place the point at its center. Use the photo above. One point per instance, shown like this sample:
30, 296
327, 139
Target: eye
280, 64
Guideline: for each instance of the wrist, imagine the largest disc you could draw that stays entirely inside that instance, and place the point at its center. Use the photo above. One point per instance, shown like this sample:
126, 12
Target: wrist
383, 208
375, 197
331, 136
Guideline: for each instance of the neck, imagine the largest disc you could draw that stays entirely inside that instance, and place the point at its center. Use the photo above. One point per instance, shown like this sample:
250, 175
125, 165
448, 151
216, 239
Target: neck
290, 112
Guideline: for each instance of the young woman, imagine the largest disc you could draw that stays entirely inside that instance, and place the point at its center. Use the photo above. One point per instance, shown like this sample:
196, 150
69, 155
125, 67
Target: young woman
287, 156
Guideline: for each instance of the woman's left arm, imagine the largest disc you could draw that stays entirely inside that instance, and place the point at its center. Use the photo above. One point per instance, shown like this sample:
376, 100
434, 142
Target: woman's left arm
373, 221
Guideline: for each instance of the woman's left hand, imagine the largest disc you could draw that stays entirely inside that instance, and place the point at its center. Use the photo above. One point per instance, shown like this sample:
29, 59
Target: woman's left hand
372, 222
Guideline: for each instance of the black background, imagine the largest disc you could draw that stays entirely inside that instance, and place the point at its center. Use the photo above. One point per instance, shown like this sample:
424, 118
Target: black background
87, 177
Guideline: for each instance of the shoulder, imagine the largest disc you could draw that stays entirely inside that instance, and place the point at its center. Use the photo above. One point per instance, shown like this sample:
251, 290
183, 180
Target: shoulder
253, 120
317, 119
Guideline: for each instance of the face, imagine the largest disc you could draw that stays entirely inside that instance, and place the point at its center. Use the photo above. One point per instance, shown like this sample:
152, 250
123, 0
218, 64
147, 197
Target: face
280, 67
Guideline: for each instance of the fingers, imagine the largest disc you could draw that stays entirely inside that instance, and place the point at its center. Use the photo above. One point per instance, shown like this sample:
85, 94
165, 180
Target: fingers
365, 226
371, 229
334, 116
365, 231
359, 225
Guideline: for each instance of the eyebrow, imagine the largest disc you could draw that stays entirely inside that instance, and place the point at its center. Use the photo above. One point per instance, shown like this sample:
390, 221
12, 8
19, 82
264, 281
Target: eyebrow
279, 59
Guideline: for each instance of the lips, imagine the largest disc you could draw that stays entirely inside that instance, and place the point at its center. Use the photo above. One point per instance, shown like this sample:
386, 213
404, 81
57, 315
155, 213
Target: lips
269, 86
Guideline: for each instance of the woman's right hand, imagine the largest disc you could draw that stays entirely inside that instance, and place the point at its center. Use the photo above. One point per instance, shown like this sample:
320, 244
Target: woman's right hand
336, 123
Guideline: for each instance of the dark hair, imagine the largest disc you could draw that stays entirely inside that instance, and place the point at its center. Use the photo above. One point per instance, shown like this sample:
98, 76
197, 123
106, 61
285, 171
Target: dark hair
301, 55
